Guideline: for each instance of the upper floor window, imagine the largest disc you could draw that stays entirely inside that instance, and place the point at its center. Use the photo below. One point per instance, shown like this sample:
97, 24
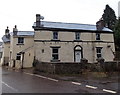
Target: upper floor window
99, 52
77, 36
55, 35
97, 36
20, 40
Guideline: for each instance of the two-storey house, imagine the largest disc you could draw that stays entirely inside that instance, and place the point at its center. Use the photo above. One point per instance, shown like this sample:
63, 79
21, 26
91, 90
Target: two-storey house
69, 42
18, 50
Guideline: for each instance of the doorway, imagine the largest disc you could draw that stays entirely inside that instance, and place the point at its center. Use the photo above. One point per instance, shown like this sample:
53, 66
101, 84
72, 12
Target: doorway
77, 53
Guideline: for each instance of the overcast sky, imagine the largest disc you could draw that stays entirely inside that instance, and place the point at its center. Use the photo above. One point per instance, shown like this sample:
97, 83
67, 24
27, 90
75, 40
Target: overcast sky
22, 12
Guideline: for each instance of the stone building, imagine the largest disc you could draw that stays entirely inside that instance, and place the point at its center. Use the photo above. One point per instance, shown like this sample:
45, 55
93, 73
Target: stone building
69, 42
57, 42
18, 51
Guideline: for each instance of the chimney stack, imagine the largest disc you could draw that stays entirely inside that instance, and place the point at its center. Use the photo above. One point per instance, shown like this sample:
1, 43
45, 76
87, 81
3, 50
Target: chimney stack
7, 34
38, 20
15, 30
6, 31
100, 25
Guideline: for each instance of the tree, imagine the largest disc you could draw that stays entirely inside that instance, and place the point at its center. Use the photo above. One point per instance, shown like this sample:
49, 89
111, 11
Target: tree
109, 17
117, 34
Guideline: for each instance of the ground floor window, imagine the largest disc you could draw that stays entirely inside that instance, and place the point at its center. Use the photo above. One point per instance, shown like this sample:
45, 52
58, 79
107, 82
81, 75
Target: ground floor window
18, 56
55, 54
99, 52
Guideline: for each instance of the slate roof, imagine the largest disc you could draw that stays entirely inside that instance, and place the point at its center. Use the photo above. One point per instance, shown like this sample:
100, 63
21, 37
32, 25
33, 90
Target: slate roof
70, 26
1, 43
5, 39
25, 33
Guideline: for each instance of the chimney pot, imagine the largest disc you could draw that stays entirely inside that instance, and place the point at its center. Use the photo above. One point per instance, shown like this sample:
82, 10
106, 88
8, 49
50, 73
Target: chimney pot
6, 31
15, 30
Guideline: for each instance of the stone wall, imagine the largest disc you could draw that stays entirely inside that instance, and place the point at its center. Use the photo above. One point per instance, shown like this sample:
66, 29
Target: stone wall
77, 68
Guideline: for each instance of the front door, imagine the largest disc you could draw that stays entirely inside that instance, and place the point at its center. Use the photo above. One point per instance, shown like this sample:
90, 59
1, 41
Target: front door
77, 56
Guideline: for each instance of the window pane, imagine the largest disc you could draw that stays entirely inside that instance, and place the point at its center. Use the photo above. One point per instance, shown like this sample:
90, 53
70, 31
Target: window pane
55, 56
18, 57
55, 50
98, 55
98, 50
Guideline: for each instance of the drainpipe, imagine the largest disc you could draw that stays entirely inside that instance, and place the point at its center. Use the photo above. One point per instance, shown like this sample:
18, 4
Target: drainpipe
22, 59
93, 48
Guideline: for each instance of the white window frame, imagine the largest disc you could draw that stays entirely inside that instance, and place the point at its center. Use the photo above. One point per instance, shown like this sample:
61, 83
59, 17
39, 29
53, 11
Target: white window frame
99, 52
55, 54
18, 56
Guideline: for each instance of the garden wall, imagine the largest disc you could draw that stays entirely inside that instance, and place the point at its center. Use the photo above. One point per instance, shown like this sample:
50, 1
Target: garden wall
76, 68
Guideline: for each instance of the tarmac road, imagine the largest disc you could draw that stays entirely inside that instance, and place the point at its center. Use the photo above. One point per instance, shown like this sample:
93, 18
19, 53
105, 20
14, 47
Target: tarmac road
23, 82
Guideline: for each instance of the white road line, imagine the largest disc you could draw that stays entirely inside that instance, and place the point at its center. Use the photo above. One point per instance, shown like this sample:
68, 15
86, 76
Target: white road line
76, 83
53, 79
89, 86
9, 86
29, 74
110, 91
42, 77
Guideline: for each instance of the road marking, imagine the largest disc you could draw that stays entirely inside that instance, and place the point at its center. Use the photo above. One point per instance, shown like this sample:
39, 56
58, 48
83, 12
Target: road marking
52, 79
9, 86
29, 73
76, 83
89, 86
110, 91
42, 77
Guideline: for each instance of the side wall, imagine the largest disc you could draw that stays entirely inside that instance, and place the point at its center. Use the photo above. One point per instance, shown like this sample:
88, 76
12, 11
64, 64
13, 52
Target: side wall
5, 55
27, 48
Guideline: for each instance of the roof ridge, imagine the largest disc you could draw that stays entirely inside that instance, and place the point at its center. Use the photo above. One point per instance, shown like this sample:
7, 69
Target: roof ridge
26, 31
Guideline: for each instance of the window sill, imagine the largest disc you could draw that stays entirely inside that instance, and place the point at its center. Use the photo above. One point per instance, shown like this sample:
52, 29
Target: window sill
98, 41
55, 60
55, 40
77, 40
20, 44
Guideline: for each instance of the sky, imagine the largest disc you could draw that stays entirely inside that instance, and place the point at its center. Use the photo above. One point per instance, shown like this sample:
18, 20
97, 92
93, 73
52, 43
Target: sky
23, 12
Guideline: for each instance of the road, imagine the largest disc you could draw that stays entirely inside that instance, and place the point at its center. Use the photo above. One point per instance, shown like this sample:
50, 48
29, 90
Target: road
23, 82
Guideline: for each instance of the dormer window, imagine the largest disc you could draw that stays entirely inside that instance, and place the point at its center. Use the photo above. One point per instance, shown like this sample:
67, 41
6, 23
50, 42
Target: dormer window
97, 36
55, 35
